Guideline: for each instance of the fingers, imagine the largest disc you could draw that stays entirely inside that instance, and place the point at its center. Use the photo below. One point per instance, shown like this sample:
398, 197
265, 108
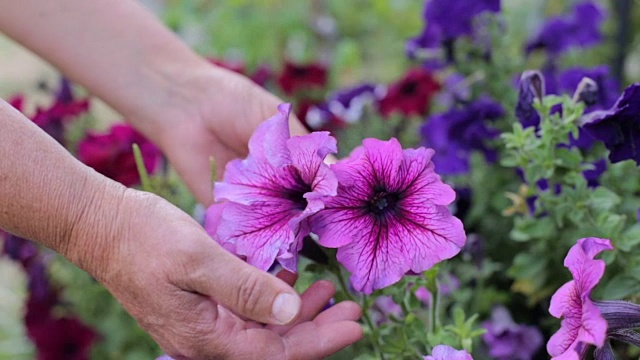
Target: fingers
243, 289
312, 341
287, 276
314, 299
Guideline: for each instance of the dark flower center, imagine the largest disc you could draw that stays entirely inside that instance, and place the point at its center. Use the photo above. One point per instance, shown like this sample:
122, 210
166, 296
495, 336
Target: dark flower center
383, 203
409, 88
295, 194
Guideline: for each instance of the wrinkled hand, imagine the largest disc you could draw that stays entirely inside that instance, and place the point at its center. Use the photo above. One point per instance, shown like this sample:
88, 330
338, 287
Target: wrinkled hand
193, 297
223, 112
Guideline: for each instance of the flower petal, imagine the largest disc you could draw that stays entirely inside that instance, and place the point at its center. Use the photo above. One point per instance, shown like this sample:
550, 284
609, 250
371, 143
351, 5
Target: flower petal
269, 141
261, 232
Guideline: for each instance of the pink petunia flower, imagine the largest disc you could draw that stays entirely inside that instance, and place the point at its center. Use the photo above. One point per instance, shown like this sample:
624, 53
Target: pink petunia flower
583, 322
390, 215
267, 197
444, 352
111, 154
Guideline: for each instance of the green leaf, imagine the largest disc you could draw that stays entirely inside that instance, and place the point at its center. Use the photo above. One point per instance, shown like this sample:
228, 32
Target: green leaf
629, 239
604, 199
621, 286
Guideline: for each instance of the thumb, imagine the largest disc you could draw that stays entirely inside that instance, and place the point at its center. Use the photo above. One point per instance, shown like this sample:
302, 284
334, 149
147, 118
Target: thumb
244, 289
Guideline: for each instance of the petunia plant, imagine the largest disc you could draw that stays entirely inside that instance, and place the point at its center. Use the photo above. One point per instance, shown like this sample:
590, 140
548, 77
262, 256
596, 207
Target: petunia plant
383, 207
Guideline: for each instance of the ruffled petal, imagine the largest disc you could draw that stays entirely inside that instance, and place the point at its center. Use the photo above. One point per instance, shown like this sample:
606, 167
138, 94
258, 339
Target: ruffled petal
261, 233
269, 141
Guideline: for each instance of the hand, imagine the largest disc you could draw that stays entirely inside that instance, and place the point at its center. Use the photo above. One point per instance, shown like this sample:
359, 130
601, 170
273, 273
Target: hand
193, 297
220, 116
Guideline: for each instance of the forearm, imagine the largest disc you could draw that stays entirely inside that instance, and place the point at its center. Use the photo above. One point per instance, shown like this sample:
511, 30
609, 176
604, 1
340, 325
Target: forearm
115, 48
47, 195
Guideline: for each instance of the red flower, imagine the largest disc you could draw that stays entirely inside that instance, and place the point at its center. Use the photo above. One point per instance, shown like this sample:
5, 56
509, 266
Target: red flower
111, 154
411, 95
260, 76
296, 77
62, 338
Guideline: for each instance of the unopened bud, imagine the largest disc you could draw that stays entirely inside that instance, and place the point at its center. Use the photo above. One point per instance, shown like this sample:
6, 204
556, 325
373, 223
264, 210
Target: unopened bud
587, 92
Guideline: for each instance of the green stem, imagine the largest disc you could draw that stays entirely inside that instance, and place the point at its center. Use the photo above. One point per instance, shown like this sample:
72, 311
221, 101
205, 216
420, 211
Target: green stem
375, 335
435, 321
142, 170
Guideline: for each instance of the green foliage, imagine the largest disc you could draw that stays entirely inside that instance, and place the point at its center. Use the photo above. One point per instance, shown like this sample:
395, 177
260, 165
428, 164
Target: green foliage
14, 344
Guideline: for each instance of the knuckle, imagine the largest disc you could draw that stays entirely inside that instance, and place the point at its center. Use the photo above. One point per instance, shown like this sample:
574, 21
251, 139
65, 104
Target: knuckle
249, 293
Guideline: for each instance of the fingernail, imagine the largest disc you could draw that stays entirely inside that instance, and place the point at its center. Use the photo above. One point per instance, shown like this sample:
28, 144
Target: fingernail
285, 308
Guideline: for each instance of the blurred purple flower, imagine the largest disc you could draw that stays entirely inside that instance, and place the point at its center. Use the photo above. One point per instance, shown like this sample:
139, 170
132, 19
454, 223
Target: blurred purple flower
608, 87
444, 352
111, 154
458, 132
593, 176
442, 29
455, 89
578, 29
619, 127
446, 286
268, 196
346, 106
507, 340
390, 215
583, 323
387, 308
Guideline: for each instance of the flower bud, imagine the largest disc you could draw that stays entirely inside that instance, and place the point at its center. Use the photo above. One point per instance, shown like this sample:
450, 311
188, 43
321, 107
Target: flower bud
587, 92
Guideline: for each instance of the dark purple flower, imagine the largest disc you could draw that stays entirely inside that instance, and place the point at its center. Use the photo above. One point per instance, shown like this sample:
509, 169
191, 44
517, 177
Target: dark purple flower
593, 176
583, 323
608, 87
266, 199
411, 95
454, 18
435, 43
578, 29
111, 154
507, 340
531, 87
619, 127
62, 338
296, 77
458, 132
390, 215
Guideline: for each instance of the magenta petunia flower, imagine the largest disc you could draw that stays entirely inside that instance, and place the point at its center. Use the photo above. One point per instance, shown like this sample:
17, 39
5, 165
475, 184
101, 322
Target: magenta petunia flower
111, 154
583, 323
444, 352
267, 197
390, 215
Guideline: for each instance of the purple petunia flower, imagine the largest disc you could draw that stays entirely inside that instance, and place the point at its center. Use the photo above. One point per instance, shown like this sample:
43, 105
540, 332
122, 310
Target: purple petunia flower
583, 322
507, 340
458, 132
579, 29
531, 87
267, 197
592, 176
619, 127
442, 29
346, 106
444, 352
390, 215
